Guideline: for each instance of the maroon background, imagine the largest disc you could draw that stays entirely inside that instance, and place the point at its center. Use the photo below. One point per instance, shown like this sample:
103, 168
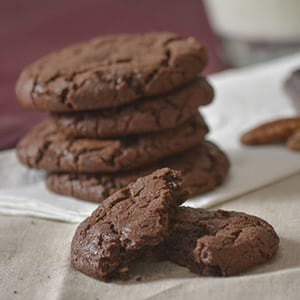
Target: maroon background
32, 28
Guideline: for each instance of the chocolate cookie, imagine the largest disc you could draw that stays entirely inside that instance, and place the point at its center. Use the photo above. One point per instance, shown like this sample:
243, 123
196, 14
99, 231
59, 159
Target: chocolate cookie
218, 243
110, 71
47, 148
144, 116
203, 168
127, 225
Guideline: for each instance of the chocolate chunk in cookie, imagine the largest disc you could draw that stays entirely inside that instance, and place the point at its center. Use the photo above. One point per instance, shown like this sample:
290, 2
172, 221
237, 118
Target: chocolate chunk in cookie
110, 71
47, 148
218, 243
127, 225
203, 168
144, 116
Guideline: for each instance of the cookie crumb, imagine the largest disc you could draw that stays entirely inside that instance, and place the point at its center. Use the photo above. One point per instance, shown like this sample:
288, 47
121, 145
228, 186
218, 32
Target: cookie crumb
139, 278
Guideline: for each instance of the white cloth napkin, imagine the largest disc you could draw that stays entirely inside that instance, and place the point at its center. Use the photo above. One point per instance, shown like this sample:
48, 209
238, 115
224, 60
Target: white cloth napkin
244, 98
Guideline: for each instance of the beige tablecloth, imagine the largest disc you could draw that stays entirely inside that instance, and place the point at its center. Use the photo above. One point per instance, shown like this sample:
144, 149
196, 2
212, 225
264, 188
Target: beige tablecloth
34, 262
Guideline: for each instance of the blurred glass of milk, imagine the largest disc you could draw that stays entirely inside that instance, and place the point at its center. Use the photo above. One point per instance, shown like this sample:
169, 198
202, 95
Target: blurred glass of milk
252, 31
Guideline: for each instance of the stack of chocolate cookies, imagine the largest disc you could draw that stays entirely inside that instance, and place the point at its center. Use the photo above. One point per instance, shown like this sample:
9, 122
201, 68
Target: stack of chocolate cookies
120, 107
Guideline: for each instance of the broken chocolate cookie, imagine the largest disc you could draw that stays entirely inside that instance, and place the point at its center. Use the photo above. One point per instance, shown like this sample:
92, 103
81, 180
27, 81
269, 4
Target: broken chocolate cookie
127, 225
218, 243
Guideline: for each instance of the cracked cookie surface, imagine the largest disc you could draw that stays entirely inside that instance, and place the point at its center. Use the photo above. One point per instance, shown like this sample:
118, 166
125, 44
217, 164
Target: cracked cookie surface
218, 243
203, 168
46, 148
126, 225
110, 71
149, 115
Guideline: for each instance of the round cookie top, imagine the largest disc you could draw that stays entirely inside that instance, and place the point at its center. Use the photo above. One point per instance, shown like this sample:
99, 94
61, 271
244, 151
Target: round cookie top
109, 71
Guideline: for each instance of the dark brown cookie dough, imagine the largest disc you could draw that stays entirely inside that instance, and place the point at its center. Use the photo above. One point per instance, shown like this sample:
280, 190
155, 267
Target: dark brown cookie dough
203, 168
218, 243
144, 116
110, 71
125, 226
47, 148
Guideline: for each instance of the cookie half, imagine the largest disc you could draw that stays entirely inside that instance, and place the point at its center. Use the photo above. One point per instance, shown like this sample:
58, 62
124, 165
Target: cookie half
47, 148
149, 115
218, 243
126, 225
203, 168
110, 71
